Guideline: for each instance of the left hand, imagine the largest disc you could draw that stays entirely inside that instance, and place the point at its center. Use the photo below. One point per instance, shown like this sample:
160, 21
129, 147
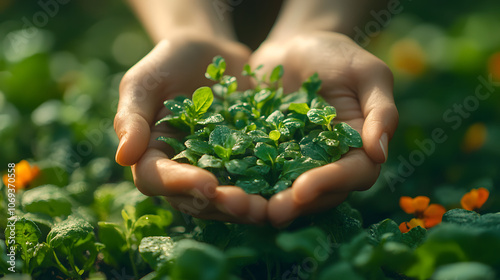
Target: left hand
359, 86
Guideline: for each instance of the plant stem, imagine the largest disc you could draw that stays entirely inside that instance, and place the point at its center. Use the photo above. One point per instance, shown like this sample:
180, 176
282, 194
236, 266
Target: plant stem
71, 260
60, 266
134, 268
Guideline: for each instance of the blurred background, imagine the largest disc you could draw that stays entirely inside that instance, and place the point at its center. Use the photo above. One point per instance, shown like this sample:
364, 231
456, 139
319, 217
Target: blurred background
60, 71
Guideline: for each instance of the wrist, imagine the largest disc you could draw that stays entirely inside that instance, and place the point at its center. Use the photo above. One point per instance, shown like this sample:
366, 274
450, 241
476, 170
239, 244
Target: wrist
163, 19
338, 16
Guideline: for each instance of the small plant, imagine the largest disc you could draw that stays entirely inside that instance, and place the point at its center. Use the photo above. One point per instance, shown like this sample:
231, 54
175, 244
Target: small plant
260, 139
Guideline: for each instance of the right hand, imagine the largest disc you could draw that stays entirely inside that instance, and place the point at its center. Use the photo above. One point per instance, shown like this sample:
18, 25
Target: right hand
176, 66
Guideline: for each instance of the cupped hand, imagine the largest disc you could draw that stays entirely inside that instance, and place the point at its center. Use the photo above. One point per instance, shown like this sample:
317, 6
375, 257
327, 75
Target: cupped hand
359, 86
177, 66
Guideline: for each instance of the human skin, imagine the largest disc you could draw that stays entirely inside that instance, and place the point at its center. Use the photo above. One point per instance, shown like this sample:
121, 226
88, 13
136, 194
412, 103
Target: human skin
305, 39
311, 36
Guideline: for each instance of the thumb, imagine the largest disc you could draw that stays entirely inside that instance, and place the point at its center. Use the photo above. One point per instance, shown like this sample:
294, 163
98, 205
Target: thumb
381, 115
133, 131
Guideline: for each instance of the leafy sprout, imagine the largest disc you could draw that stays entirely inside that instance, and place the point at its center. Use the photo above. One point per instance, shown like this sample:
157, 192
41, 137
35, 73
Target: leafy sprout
260, 139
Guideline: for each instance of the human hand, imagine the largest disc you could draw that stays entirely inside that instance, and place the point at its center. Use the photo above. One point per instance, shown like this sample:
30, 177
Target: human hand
176, 66
359, 86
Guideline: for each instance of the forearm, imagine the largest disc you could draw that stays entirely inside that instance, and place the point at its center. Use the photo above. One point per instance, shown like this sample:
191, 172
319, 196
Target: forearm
163, 18
299, 16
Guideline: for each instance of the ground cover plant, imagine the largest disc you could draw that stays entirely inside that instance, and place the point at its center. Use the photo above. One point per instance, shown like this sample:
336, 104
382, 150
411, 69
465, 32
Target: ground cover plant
434, 213
260, 139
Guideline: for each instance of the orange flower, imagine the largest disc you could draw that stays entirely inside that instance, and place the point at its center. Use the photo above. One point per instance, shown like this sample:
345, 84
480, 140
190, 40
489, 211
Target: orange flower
494, 66
474, 199
475, 137
407, 56
427, 215
406, 226
24, 174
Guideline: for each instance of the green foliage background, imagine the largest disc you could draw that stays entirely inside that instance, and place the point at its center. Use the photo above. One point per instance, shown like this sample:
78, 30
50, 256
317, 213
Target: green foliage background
59, 90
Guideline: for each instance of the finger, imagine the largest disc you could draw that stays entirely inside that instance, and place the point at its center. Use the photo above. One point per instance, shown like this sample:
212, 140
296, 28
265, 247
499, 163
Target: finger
155, 174
283, 208
230, 204
251, 208
379, 110
139, 102
133, 133
353, 172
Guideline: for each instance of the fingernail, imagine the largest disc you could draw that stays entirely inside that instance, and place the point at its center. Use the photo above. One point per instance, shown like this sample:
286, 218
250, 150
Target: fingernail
120, 145
383, 141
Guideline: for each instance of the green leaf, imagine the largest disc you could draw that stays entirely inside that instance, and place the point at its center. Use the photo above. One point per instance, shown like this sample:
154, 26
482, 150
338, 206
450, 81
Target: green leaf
202, 99
113, 236
230, 83
464, 271
247, 70
258, 136
282, 185
227, 138
263, 95
304, 241
190, 109
275, 118
150, 225
292, 124
266, 152
223, 153
276, 74
174, 106
42, 256
254, 186
238, 166
208, 161
449, 243
210, 262
216, 69
329, 138
288, 146
314, 151
294, 97
348, 135
301, 108
219, 136
414, 237
242, 108
47, 199
239, 257
460, 216
312, 85
198, 146
211, 118
293, 168
25, 235
387, 230
187, 154
239, 142
69, 232
317, 116
274, 135
342, 270
172, 142
156, 250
